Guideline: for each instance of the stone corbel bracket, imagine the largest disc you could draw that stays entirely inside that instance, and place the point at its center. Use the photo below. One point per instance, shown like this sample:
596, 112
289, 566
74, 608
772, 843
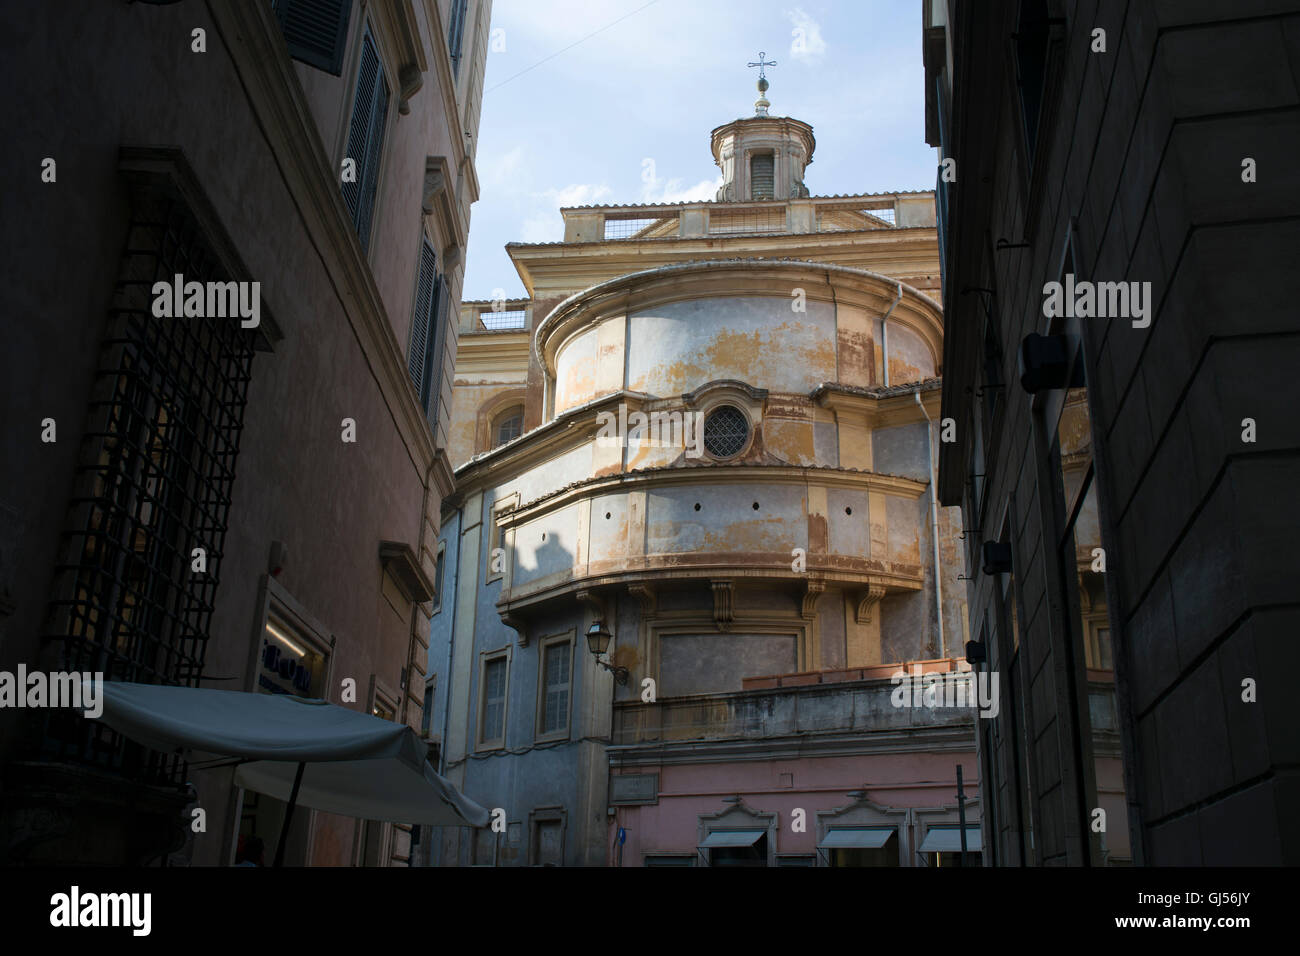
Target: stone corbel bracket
813, 589
517, 624
868, 598
596, 602
645, 593
439, 201
410, 75
723, 613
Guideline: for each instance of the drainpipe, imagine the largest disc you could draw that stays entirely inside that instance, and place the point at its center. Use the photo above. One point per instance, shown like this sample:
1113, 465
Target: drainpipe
884, 333
451, 644
934, 522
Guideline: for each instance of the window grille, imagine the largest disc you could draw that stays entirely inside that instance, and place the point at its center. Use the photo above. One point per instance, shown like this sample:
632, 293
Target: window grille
154, 483
851, 218
726, 429
500, 321
747, 220
510, 427
646, 228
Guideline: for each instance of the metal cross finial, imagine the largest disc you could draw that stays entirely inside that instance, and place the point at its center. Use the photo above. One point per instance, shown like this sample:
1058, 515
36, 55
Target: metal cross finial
762, 64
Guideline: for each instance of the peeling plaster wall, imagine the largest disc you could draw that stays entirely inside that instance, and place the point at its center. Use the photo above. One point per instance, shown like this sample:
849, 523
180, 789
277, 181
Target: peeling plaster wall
679, 346
717, 663
902, 450
726, 521
652, 525
546, 548
910, 359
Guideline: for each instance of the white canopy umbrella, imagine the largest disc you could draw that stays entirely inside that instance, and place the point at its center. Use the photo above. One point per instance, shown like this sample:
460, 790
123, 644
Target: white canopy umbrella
301, 751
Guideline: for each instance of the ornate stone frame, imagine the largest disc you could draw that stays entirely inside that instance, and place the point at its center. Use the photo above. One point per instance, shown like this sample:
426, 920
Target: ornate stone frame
490, 410
864, 812
671, 623
738, 817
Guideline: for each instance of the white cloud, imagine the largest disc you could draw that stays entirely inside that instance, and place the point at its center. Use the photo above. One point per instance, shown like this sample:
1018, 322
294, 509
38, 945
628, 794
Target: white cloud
672, 191
579, 194
806, 41
544, 227
503, 171
546, 224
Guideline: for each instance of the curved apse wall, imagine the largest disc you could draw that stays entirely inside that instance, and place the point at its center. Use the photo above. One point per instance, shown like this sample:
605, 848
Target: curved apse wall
678, 346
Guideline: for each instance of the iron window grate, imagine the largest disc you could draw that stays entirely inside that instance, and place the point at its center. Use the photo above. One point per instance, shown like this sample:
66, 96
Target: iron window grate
155, 482
747, 220
726, 429
499, 321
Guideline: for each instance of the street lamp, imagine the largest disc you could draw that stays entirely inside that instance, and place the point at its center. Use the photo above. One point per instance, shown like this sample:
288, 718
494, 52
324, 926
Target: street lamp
598, 639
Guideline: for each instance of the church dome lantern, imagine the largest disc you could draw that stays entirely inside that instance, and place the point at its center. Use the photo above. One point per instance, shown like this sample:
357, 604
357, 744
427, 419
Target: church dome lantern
762, 157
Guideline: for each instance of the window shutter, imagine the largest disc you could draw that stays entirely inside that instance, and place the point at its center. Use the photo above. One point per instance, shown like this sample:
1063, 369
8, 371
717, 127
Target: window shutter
366, 139
315, 31
417, 361
374, 147
761, 176
438, 337
455, 33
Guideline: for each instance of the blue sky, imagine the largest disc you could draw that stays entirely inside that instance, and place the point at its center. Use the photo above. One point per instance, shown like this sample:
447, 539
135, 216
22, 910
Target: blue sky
652, 84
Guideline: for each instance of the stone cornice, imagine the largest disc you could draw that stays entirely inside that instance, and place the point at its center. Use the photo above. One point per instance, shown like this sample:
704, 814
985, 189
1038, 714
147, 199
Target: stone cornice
577, 264
723, 572
493, 352
953, 738
881, 411
720, 474
757, 125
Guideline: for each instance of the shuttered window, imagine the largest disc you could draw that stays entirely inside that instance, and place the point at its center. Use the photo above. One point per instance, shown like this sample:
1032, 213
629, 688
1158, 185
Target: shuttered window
761, 177
422, 324
428, 334
492, 708
315, 31
366, 139
555, 707
438, 323
456, 33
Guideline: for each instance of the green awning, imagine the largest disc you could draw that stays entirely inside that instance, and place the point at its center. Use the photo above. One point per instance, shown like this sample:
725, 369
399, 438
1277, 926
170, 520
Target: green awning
856, 838
948, 840
721, 838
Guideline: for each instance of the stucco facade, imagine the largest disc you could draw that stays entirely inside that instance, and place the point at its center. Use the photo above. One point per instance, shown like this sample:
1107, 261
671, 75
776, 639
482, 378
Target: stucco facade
217, 137
754, 568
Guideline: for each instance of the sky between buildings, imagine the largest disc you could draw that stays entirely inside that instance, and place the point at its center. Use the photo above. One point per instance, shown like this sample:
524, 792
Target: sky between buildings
623, 115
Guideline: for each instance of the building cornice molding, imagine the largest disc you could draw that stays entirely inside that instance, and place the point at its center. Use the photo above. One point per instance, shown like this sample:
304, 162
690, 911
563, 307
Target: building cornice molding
724, 572
951, 738
569, 264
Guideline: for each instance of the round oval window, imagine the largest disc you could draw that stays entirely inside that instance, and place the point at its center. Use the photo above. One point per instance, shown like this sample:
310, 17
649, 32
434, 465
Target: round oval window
726, 430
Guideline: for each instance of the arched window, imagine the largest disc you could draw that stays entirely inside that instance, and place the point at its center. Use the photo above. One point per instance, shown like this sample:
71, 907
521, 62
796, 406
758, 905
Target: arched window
508, 425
